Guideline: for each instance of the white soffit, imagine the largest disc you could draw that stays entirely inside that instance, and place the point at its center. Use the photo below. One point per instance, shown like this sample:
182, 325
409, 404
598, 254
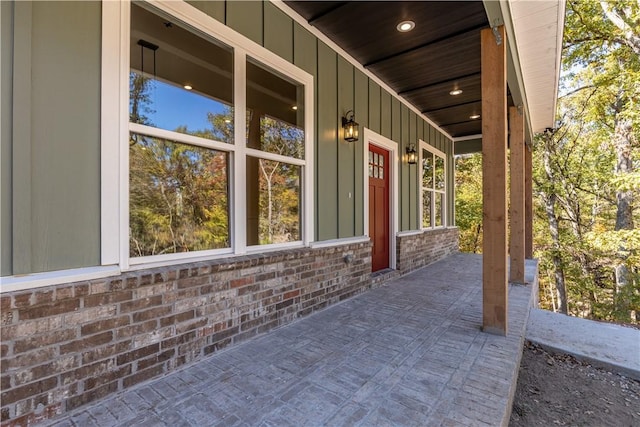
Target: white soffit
538, 27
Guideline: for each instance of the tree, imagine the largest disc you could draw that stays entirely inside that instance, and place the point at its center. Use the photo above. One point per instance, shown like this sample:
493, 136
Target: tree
586, 177
469, 201
279, 182
549, 195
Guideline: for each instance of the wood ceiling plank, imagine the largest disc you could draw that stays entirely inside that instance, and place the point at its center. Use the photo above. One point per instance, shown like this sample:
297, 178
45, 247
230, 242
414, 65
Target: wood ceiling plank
436, 63
451, 115
464, 129
359, 26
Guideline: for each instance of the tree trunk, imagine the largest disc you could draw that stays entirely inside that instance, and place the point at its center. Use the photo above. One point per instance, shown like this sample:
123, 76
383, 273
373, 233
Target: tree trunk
550, 201
622, 139
477, 238
268, 177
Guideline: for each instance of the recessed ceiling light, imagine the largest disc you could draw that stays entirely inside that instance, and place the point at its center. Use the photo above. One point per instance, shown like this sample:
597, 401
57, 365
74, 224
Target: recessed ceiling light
474, 116
455, 92
188, 87
405, 26
295, 107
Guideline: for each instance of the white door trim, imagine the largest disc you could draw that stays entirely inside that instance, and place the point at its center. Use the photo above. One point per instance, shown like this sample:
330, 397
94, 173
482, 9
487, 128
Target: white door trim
371, 137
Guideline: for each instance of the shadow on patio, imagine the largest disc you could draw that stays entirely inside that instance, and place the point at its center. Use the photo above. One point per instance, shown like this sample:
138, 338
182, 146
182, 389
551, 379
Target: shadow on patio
409, 353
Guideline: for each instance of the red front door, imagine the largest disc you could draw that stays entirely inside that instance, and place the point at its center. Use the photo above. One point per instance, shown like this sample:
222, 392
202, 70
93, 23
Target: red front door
379, 206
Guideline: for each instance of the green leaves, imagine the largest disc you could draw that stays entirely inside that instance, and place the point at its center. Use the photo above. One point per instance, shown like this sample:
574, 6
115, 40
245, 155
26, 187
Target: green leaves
469, 202
586, 169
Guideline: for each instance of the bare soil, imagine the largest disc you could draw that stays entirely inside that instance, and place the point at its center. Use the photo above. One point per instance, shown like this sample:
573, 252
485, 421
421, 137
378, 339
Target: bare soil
557, 389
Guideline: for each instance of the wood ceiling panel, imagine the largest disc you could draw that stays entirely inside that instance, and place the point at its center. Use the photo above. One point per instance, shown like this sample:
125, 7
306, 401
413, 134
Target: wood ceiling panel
360, 26
431, 64
472, 127
310, 10
452, 115
436, 96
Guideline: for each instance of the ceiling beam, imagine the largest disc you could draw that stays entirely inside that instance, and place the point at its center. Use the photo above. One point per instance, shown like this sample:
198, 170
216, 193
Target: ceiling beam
431, 43
468, 146
452, 106
326, 12
441, 82
461, 123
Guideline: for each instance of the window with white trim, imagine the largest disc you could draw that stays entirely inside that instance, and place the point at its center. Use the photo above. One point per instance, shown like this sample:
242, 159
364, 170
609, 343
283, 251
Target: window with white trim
198, 182
433, 187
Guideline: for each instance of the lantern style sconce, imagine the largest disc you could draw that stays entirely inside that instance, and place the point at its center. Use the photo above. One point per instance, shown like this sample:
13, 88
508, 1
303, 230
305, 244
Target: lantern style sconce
350, 127
412, 155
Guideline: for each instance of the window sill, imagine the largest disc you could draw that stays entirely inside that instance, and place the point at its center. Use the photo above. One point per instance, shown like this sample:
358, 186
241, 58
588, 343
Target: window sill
38, 280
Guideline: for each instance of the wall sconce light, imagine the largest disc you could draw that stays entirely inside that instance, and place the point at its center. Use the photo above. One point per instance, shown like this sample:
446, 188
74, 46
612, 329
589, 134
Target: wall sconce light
412, 155
350, 127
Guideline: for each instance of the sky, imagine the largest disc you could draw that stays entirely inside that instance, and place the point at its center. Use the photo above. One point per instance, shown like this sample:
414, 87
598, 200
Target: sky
176, 107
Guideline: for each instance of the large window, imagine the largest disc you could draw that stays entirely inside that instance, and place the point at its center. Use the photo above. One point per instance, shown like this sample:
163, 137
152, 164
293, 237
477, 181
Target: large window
196, 181
434, 197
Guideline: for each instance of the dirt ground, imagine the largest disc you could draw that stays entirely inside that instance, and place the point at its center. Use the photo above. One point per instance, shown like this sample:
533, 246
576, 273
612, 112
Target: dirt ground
558, 390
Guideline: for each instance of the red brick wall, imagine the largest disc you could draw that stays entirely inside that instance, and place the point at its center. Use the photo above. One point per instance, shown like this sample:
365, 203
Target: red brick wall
64, 346
418, 250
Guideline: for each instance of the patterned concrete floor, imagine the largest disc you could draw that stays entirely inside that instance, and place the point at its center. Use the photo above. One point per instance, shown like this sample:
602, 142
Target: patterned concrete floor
409, 353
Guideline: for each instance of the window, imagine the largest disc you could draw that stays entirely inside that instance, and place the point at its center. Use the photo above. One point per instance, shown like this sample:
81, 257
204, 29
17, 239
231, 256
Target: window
196, 182
433, 186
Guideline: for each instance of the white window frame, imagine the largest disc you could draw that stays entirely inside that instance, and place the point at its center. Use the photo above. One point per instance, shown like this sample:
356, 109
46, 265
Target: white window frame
116, 127
435, 153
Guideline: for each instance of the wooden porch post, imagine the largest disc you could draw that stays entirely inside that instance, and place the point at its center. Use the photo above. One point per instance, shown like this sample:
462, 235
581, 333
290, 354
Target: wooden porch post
494, 180
517, 208
528, 202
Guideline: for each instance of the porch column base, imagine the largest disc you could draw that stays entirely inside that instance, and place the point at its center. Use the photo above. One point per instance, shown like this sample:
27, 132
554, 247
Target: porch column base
494, 331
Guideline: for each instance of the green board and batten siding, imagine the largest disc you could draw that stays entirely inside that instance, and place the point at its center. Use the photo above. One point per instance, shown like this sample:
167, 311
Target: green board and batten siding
64, 209
374, 106
247, 18
361, 93
6, 87
327, 144
412, 176
215, 9
54, 116
278, 32
346, 153
405, 195
385, 114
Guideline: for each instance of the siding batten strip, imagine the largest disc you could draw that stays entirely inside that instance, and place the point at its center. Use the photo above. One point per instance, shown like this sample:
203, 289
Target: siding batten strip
494, 180
21, 146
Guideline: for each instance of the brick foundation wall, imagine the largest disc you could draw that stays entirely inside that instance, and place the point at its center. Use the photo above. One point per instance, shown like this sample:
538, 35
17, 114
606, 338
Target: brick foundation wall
418, 250
67, 345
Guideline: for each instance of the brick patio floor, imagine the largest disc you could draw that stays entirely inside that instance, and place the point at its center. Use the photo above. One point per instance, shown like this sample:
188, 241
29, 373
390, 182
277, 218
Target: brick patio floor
409, 353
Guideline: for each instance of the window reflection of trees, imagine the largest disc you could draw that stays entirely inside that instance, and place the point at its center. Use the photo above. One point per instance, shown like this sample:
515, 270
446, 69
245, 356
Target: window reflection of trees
279, 182
178, 198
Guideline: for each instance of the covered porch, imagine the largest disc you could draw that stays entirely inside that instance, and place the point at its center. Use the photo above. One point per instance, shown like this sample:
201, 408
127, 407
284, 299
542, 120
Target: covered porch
486, 73
410, 352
